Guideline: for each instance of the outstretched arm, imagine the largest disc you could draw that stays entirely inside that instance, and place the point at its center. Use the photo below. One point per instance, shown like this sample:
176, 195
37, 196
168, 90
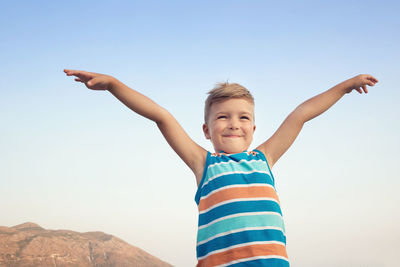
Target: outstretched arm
190, 152
284, 137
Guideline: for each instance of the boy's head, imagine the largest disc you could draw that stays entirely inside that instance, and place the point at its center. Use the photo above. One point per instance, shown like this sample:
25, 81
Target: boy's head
224, 91
229, 117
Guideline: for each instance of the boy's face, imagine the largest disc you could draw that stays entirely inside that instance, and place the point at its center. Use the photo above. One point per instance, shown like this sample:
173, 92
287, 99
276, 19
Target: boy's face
230, 125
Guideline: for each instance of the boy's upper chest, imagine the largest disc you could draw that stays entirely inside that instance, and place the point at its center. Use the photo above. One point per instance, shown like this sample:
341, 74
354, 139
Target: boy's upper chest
239, 163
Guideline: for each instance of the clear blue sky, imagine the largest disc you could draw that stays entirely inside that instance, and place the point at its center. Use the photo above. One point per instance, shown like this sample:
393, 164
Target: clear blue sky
72, 158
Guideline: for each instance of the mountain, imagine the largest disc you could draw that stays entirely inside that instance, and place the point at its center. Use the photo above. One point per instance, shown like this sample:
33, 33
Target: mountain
28, 244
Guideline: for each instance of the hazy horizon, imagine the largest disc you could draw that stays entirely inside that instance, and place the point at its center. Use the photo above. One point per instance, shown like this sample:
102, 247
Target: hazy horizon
77, 159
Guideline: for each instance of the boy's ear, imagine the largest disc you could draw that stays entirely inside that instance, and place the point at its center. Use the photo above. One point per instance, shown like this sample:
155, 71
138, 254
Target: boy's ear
254, 128
206, 131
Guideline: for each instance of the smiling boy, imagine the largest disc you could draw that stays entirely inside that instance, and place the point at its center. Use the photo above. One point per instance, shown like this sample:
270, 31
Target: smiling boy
230, 125
240, 220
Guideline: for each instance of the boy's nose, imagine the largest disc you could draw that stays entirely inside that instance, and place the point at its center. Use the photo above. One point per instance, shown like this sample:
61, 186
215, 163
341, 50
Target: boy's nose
234, 124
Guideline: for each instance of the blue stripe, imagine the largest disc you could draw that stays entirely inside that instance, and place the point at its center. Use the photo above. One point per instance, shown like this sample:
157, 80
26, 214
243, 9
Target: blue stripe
262, 263
239, 238
239, 207
240, 222
232, 166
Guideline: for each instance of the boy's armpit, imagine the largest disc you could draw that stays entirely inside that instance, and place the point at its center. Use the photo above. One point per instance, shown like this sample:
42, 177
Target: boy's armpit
282, 139
189, 151
267, 155
198, 165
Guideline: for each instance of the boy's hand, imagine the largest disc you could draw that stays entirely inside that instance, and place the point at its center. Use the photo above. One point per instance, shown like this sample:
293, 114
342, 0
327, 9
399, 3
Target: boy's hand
361, 81
94, 81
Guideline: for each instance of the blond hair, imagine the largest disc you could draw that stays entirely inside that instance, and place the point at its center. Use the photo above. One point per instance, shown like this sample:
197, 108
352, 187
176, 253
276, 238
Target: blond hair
225, 91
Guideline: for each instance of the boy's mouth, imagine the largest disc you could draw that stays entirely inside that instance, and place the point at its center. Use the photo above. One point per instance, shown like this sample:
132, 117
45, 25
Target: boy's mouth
232, 136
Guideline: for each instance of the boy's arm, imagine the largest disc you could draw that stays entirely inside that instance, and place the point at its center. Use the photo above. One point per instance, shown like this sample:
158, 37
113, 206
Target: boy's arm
190, 152
284, 137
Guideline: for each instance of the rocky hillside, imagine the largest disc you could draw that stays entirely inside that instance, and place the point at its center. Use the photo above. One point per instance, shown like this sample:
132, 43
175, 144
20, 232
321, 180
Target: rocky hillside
29, 244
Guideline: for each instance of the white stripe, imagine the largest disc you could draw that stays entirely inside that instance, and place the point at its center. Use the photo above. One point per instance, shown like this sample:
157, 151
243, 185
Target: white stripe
235, 185
240, 230
232, 161
239, 215
227, 173
237, 200
254, 258
241, 245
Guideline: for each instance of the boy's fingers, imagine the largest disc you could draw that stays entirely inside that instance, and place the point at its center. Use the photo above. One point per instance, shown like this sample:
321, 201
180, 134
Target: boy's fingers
83, 75
93, 81
373, 79
76, 72
78, 80
70, 72
358, 90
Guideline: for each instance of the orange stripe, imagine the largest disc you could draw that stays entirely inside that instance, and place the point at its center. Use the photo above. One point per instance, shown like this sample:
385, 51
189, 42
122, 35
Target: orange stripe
242, 253
237, 192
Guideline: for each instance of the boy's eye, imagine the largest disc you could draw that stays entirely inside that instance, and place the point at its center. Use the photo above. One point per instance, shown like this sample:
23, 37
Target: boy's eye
245, 117
221, 117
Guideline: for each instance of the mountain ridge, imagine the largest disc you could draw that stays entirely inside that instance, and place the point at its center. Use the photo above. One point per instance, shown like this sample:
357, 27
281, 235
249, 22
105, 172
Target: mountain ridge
28, 244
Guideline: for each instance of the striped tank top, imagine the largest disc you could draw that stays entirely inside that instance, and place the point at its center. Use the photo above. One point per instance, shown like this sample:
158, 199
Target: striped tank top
240, 220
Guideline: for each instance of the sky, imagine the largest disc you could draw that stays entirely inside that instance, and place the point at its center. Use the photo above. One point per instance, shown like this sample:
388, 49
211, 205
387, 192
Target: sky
73, 158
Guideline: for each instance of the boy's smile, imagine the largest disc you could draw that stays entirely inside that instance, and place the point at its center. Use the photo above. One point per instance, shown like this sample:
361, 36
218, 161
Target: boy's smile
230, 125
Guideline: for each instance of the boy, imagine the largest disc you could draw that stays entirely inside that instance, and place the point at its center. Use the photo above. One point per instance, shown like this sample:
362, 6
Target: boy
240, 220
